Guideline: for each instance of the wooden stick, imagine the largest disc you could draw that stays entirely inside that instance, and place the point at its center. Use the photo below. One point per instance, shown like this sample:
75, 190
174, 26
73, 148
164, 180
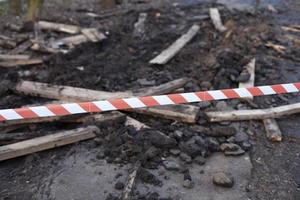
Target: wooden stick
273, 132
131, 181
15, 63
14, 57
172, 50
51, 26
181, 113
47, 142
257, 114
276, 47
216, 19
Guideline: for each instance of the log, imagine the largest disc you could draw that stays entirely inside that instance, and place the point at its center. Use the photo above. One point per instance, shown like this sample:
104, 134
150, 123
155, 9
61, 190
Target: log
14, 57
273, 131
131, 181
181, 113
47, 142
16, 63
172, 50
216, 19
256, 114
51, 26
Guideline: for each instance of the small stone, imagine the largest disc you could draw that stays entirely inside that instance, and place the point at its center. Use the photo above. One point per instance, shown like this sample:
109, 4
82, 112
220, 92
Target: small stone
188, 184
222, 106
200, 160
175, 152
178, 134
246, 145
151, 152
223, 179
171, 164
205, 85
241, 137
186, 158
229, 147
223, 131
238, 152
204, 104
119, 185
212, 144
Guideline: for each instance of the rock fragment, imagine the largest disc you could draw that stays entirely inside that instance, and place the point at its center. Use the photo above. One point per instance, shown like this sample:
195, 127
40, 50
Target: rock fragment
223, 179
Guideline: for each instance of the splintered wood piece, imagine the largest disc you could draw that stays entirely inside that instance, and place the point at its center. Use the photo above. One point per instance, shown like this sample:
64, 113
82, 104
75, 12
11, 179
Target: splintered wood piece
51, 26
273, 132
256, 114
66, 93
181, 113
93, 34
78, 39
216, 19
14, 57
131, 181
163, 88
21, 48
15, 63
251, 70
47, 142
295, 28
43, 49
172, 50
276, 47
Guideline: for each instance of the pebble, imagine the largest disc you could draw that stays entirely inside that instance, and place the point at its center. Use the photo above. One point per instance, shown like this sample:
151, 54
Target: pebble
188, 184
200, 160
119, 185
212, 144
223, 131
171, 165
229, 147
223, 179
243, 77
241, 137
186, 158
238, 152
175, 152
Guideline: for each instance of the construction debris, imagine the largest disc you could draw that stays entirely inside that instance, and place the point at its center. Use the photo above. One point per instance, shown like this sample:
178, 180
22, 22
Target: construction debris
47, 142
216, 19
273, 132
51, 26
256, 114
172, 50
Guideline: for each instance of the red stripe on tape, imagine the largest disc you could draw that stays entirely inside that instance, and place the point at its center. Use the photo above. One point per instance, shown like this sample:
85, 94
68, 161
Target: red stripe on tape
278, 89
120, 104
26, 113
231, 94
89, 107
177, 98
58, 110
204, 96
255, 91
297, 85
149, 101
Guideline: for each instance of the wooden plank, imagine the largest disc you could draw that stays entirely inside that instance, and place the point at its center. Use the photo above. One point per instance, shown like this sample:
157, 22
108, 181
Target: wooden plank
66, 93
131, 181
47, 142
273, 131
172, 50
16, 63
216, 19
181, 113
256, 114
14, 57
251, 70
51, 26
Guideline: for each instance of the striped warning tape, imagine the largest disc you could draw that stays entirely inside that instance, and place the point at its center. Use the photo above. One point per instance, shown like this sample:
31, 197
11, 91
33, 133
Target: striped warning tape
146, 101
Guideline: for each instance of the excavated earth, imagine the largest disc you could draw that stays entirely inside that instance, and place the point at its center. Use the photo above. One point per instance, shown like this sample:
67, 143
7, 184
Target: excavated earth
98, 168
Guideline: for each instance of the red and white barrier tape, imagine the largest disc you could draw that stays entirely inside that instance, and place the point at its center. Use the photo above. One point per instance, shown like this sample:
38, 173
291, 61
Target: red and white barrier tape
141, 102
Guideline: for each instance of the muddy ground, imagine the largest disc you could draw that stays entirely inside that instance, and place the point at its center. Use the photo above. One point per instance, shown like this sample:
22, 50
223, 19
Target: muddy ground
121, 63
